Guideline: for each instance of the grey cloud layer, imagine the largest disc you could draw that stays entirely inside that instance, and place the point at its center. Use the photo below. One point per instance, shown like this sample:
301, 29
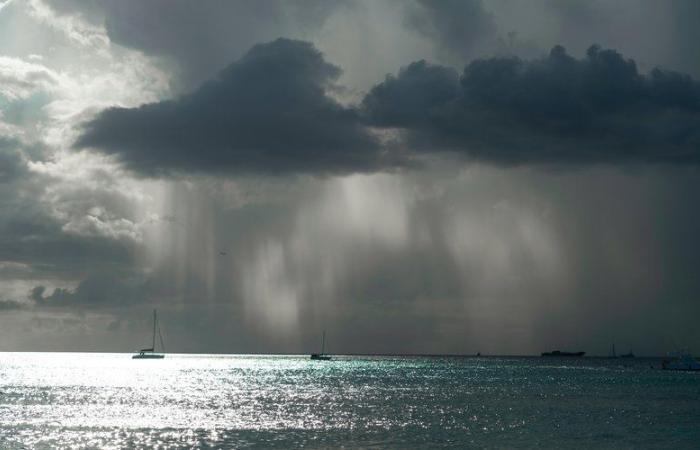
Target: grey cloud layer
558, 109
266, 113
269, 113
32, 237
458, 26
174, 30
11, 164
97, 290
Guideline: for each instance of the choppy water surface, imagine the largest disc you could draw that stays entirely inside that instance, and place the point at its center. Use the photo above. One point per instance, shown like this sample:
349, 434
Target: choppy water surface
54, 400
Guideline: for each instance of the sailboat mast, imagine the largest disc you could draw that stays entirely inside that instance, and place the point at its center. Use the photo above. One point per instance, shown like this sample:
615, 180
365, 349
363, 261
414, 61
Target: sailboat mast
162, 345
323, 343
154, 331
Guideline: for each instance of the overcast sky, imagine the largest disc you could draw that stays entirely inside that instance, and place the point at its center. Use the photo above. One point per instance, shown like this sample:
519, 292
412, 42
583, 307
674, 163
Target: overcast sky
412, 176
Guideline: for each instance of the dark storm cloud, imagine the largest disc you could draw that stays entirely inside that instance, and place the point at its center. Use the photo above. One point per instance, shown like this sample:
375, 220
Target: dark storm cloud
409, 99
269, 113
558, 109
266, 113
457, 26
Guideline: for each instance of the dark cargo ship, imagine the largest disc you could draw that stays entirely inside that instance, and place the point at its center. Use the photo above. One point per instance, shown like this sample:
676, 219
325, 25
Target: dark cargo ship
559, 353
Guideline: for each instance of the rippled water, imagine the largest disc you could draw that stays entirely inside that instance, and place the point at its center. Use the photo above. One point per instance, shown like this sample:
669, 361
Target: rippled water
77, 400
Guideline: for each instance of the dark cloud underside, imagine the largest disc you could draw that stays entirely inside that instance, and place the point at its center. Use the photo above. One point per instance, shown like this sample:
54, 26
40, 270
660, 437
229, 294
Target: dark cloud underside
269, 113
558, 109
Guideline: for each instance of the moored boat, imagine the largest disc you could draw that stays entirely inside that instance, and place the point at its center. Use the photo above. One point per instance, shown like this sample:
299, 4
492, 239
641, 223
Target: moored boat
150, 353
321, 356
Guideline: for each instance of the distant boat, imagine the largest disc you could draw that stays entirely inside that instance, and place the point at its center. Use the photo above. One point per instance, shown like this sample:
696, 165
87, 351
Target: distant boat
321, 356
624, 355
681, 360
149, 353
563, 354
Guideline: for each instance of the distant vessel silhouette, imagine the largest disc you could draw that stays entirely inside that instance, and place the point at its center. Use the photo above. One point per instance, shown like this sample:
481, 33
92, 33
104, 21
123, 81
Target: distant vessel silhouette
560, 353
321, 356
149, 353
681, 360
624, 355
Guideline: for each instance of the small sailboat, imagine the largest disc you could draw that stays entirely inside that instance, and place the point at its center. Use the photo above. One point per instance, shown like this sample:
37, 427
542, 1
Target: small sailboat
150, 353
321, 356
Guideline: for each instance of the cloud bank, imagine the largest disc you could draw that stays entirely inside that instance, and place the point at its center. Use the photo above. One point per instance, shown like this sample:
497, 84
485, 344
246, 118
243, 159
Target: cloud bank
558, 109
270, 113
267, 113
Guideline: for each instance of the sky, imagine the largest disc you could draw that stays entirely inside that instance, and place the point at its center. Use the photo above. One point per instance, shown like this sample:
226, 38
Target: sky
411, 176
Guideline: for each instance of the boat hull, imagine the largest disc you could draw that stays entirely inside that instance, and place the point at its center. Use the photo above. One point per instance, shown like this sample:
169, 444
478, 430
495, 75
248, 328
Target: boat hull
559, 354
148, 356
317, 357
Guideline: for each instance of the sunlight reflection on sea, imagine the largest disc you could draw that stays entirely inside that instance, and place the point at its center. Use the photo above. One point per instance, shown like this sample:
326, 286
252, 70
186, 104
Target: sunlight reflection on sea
53, 400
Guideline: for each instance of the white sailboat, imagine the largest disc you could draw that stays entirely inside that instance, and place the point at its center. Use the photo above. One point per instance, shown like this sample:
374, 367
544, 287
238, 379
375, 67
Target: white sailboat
321, 356
150, 353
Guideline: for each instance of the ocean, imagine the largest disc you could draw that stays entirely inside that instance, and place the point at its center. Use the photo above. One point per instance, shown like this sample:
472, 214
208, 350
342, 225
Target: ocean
82, 400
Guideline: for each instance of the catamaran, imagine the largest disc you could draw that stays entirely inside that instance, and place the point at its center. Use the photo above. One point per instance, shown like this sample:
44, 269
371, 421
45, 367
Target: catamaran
321, 356
150, 353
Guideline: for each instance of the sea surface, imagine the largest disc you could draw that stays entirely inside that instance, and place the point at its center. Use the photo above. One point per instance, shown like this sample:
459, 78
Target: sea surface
80, 400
